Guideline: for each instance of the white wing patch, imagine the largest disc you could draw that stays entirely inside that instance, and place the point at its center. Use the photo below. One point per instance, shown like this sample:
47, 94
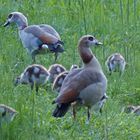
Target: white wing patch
58, 69
36, 70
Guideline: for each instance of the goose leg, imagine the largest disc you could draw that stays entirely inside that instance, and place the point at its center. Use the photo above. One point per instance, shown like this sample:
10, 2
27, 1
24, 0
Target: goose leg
37, 88
74, 109
32, 86
101, 110
56, 56
33, 57
88, 113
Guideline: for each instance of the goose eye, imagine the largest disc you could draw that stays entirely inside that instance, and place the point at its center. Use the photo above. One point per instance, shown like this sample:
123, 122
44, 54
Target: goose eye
90, 38
10, 15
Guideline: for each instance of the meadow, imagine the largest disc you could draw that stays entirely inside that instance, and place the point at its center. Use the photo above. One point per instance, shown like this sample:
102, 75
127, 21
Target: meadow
116, 23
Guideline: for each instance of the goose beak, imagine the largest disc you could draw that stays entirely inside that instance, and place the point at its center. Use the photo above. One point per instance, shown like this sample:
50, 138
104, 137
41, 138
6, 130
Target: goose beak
98, 43
6, 23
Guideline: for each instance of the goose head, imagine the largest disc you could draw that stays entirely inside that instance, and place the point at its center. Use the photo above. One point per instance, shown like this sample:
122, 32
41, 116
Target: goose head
88, 41
84, 45
18, 18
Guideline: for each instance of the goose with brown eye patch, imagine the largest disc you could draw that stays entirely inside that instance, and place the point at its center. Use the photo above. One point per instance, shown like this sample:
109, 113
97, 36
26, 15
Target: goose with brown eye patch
34, 75
93, 40
36, 39
86, 85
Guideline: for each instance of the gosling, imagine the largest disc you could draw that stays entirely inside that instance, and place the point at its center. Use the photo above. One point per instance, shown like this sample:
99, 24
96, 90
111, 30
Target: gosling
60, 78
116, 63
34, 75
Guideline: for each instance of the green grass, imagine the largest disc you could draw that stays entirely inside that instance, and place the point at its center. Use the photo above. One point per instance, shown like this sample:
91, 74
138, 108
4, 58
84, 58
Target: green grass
116, 23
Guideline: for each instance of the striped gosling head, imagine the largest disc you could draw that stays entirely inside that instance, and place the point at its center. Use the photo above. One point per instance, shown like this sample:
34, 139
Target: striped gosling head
7, 113
55, 70
33, 75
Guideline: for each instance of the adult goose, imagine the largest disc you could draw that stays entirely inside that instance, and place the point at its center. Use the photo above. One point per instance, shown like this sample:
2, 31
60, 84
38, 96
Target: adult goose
86, 85
37, 39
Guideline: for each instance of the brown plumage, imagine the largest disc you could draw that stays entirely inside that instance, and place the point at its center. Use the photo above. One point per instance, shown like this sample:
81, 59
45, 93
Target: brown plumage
37, 39
87, 85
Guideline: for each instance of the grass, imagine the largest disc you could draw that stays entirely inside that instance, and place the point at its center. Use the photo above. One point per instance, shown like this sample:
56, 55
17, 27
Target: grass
116, 23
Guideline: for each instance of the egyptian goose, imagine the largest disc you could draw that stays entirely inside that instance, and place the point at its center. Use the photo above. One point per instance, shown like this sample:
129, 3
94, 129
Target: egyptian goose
116, 62
54, 71
6, 113
60, 78
132, 109
33, 75
86, 85
37, 39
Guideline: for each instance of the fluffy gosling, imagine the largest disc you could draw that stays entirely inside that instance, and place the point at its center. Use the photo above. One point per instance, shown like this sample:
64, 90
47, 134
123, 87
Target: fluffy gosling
60, 78
34, 75
116, 63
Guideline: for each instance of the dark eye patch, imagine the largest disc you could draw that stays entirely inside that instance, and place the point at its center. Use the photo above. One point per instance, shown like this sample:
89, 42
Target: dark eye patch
90, 38
10, 15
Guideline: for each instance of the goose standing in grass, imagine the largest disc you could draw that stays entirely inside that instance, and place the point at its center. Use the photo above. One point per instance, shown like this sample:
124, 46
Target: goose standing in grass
7, 113
60, 78
54, 71
116, 63
86, 85
37, 39
33, 75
